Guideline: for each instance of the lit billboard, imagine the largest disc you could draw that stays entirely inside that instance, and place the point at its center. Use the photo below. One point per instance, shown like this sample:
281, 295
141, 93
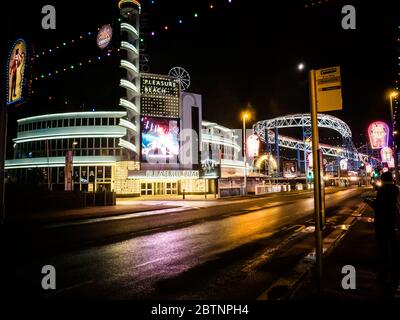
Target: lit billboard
160, 140
253, 146
16, 72
378, 133
290, 169
387, 157
104, 36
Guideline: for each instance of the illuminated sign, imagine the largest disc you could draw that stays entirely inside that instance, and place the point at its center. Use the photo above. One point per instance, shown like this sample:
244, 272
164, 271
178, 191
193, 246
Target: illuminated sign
369, 168
164, 174
387, 156
160, 96
104, 36
253, 146
378, 133
289, 169
16, 72
210, 169
160, 140
310, 160
344, 164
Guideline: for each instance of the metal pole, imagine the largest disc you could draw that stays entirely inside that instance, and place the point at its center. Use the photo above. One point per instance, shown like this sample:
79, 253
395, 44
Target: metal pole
244, 156
318, 203
395, 156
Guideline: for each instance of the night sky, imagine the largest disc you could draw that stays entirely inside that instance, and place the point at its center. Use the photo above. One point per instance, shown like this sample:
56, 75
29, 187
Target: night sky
239, 54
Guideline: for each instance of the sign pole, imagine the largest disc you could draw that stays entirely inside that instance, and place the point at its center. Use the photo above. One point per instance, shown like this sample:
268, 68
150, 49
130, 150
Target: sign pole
318, 201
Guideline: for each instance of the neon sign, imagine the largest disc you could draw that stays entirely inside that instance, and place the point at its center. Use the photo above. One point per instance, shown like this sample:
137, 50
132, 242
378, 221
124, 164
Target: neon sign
378, 133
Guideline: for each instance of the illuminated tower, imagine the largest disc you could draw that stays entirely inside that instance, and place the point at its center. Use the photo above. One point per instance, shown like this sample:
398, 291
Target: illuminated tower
130, 27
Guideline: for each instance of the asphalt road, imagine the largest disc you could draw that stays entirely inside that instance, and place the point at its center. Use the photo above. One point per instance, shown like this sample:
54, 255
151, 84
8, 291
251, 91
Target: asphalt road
230, 251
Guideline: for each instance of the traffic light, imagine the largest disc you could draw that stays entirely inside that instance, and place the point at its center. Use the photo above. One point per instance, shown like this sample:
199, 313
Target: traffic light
310, 175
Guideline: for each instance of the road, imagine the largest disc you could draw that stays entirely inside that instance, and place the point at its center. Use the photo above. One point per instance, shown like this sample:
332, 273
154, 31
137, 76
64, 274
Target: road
233, 250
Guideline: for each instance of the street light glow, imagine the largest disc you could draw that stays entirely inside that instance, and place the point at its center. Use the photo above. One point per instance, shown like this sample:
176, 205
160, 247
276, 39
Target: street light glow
301, 67
394, 94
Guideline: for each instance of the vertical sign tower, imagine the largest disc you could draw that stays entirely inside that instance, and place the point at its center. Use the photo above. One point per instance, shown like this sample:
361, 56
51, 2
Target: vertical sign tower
129, 11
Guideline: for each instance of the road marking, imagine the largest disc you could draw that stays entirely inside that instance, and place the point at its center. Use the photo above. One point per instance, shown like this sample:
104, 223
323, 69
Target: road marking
150, 262
76, 286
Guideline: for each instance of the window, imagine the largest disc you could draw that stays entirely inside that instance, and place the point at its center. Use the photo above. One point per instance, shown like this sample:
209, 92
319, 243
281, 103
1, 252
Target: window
78, 122
84, 143
91, 122
90, 143
84, 122
97, 143
104, 143
72, 122
98, 122
66, 123
104, 122
112, 122
59, 124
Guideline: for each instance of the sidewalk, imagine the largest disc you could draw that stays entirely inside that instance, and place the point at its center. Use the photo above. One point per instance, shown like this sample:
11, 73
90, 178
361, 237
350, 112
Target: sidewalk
358, 249
137, 205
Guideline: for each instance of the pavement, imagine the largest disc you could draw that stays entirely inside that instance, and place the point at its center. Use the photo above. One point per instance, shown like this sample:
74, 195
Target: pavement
359, 249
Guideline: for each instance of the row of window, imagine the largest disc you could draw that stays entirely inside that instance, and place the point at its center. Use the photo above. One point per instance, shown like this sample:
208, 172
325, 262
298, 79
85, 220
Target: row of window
58, 148
65, 123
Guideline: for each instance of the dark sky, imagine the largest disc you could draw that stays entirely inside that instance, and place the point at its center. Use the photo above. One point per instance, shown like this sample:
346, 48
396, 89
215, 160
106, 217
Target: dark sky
238, 54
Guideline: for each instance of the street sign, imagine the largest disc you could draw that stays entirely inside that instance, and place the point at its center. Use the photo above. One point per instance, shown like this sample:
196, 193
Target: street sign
329, 89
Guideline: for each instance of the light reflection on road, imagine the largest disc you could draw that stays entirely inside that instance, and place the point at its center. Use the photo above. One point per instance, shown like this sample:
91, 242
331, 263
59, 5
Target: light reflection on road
138, 263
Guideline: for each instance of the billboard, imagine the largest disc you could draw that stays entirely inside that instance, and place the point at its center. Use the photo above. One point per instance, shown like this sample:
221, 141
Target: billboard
104, 36
289, 169
160, 140
160, 96
16, 73
378, 133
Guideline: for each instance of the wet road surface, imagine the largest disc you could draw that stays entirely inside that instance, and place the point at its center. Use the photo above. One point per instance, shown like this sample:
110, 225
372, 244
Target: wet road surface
221, 253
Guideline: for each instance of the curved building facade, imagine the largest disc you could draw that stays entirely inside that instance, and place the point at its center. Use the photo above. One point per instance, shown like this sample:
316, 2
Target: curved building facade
98, 161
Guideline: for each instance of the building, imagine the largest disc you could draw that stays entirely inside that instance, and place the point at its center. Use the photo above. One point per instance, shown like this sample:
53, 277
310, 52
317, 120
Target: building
99, 162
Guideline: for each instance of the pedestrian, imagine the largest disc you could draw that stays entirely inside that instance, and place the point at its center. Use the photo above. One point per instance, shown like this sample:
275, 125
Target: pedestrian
386, 219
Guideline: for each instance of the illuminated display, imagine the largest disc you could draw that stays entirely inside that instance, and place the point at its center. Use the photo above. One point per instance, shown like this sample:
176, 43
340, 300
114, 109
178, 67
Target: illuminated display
253, 146
387, 156
104, 36
344, 164
378, 133
160, 140
289, 169
160, 96
16, 70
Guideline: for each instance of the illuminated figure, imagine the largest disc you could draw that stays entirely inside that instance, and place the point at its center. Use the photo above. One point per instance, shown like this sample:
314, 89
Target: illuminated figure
379, 135
15, 63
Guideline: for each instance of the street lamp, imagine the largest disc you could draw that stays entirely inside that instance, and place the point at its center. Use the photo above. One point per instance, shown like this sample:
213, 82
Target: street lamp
394, 144
245, 117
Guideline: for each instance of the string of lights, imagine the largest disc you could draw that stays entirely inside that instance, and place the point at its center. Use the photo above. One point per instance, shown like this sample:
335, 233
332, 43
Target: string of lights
183, 19
74, 67
65, 45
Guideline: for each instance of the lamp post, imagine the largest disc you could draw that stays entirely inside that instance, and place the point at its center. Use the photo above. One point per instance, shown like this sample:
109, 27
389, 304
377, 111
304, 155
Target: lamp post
74, 144
394, 144
245, 117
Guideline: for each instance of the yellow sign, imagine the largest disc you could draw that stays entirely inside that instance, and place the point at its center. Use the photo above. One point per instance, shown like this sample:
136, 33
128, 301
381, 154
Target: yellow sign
329, 89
